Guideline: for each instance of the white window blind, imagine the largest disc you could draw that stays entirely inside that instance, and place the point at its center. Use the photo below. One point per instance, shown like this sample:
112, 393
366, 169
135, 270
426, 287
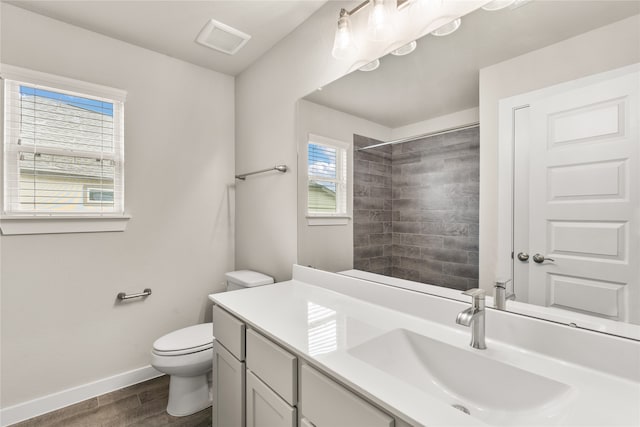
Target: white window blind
63, 151
327, 172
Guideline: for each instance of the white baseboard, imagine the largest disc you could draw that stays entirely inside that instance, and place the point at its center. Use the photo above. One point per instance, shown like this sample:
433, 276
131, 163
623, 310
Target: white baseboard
52, 402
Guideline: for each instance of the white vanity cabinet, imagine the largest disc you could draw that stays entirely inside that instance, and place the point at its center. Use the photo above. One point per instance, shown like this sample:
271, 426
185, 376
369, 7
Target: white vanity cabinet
325, 403
257, 383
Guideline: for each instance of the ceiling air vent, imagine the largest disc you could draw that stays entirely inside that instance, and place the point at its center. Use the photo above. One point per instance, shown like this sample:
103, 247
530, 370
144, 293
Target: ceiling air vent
221, 37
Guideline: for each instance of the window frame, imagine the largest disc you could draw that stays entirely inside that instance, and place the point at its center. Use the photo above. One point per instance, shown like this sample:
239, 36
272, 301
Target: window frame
13, 221
342, 185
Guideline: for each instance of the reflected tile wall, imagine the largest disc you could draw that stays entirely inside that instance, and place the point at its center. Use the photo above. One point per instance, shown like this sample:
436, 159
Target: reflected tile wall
433, 201
372, 238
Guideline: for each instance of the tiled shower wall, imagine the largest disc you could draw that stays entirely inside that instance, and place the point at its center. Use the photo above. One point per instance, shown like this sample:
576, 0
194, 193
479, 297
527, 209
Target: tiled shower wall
372, 239
434, 210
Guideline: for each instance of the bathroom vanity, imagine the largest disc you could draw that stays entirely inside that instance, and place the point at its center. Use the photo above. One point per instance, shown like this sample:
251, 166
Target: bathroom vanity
328, 350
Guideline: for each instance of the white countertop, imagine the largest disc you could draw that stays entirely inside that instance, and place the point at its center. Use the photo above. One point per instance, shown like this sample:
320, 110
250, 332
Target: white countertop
322, 325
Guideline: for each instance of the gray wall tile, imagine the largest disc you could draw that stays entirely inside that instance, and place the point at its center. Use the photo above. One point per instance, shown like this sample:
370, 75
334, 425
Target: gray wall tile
416, 209
372, 214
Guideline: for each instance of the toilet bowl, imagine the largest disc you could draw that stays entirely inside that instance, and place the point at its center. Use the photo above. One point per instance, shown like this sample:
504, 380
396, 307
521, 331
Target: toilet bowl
187, 355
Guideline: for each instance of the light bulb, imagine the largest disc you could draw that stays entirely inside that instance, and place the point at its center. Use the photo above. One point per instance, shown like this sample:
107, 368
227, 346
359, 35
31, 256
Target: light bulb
343, 45
379, 26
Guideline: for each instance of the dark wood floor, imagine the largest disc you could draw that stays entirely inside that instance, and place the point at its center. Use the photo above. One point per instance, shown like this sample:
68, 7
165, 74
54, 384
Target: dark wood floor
142, 404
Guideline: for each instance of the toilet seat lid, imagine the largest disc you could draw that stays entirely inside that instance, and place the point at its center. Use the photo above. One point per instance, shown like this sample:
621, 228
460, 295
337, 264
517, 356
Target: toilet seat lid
186, 340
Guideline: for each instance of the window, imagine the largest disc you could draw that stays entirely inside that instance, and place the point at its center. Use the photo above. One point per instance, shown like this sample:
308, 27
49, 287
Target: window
327, 177
63, 147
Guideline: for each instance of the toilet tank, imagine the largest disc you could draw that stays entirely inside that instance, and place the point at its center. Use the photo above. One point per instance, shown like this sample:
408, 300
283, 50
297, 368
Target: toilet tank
246, 279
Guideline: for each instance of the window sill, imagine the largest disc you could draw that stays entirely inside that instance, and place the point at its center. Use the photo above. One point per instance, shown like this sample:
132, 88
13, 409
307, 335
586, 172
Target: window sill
327, 220
17, 224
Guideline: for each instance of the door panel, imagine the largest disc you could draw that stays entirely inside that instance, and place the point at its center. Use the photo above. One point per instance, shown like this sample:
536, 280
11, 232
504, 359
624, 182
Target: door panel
592, 296
588, 181
589, 123
598, 239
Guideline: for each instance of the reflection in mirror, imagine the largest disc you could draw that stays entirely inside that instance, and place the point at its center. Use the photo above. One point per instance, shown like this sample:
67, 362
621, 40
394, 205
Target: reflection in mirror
514, 136
415, 208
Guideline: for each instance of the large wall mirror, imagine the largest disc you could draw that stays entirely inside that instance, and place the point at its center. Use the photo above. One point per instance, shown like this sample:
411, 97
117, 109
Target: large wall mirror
507, 150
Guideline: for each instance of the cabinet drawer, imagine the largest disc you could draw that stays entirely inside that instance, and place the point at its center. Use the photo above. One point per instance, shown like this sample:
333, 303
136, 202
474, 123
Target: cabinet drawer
265, 408
229, 332
273, 365
327, 404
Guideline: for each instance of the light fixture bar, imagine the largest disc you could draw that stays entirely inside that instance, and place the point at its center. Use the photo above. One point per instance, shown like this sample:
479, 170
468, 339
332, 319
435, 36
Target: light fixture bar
400, 4
358, 8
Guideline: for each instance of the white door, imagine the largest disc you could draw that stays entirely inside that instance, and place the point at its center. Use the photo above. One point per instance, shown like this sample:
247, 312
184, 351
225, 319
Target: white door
584, 194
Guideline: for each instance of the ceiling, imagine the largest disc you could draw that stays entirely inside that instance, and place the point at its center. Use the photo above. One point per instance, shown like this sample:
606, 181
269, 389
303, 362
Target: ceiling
171, 27
442, 75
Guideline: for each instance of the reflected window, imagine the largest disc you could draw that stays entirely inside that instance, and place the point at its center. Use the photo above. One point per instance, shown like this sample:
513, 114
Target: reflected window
322, 329
327, 177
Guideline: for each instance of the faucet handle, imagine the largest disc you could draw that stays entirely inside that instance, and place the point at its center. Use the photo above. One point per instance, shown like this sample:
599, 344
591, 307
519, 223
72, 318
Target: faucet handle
477, 297
475, 293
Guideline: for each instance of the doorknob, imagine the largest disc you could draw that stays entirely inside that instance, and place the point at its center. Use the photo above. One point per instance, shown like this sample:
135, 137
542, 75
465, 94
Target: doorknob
523, 256
541, 258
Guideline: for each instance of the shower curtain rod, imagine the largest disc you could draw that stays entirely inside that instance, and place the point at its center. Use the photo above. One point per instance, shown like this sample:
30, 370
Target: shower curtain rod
424, 135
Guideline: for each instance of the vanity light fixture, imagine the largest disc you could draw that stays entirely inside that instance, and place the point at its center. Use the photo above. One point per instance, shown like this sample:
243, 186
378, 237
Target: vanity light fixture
406, 49
447, 29
380, 24
373, 65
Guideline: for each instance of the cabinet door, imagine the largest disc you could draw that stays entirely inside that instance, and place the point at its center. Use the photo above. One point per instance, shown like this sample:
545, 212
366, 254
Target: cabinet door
327, 404
229, 391
265, 408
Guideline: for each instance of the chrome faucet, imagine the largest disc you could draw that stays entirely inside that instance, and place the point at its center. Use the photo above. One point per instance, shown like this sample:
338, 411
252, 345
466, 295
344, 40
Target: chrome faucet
502, 293
474, 317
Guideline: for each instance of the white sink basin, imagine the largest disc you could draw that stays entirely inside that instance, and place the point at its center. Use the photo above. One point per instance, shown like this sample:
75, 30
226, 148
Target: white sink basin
487, 389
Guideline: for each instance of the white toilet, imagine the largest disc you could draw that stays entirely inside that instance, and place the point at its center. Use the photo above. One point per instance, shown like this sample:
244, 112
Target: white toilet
187, 355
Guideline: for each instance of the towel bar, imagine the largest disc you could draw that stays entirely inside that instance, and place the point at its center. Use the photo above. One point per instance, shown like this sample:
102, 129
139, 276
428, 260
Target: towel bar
279, 168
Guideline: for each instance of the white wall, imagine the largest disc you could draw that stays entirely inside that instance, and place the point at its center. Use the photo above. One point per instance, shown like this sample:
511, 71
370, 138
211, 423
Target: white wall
603, 49
61, 324
266, 96
328, 247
